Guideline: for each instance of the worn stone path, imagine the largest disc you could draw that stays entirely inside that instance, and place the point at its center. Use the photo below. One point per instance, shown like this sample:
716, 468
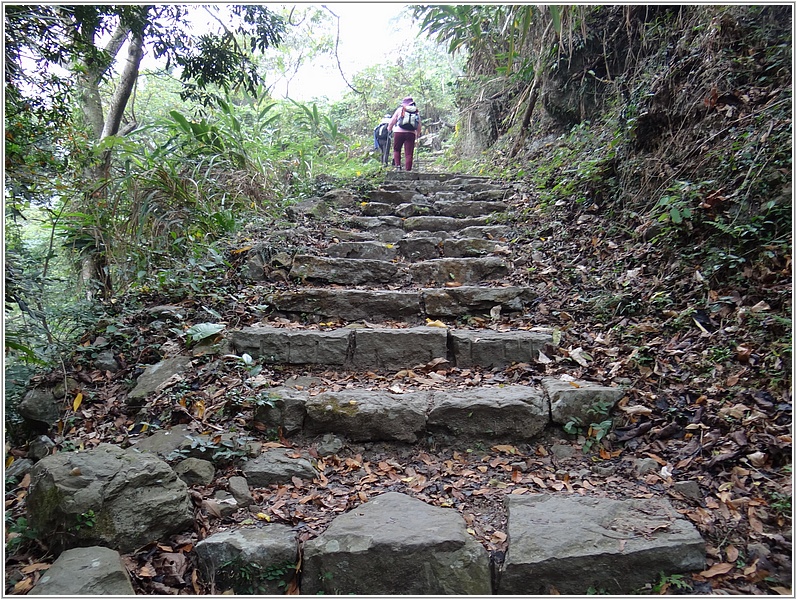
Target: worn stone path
371, 295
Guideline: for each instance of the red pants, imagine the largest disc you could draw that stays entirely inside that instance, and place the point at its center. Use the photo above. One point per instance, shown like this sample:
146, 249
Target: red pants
406, 140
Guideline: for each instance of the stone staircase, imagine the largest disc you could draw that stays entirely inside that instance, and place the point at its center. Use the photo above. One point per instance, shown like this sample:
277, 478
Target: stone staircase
401, 319
420, 276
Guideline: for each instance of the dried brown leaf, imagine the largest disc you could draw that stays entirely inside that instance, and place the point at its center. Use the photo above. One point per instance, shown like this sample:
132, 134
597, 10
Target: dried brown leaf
717, 569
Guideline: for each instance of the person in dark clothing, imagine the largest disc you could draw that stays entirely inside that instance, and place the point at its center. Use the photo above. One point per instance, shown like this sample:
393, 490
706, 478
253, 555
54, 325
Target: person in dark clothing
382, 139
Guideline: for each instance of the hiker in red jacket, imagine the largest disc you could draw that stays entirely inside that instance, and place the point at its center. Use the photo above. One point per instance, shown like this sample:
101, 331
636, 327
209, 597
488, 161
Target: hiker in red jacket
406, 127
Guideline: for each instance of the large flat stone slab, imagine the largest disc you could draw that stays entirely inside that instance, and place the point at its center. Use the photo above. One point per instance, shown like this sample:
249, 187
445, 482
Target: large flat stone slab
389, 348
362, 250
474, 300
568, 544
396, 545
460, 270
497, 348
375, 224
291, 346
92, 571
420, 248
467, 208
436, 223
393, 196
385, 305
515, 412
468, 247
493, 232
368, 415
346, 271
351, 305
386, 348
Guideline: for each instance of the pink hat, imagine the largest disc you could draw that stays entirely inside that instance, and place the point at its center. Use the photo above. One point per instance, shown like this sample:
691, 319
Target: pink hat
408, 100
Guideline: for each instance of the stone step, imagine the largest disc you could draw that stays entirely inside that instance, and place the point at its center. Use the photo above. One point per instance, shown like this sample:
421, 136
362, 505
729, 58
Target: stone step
323, 304
361, 271
397, 192
435, 223
397, 544
488, 412
418, 248
421, 223
449, 179
442, 208
389, 348
569, 544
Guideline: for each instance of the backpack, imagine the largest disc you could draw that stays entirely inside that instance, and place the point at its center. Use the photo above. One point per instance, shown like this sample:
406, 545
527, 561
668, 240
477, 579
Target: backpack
382, 132
409, 118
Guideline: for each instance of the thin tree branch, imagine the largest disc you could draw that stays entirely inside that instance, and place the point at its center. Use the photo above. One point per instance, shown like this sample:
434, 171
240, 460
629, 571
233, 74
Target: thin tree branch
337, 57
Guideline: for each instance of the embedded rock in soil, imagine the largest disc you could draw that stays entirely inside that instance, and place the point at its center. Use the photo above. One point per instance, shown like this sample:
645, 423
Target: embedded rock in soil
195, 471
582, 401
277, 466
222, 558
394, 544
569, 544
155, 375
40, 405
164, 441
92, 571
130, 498
239, 488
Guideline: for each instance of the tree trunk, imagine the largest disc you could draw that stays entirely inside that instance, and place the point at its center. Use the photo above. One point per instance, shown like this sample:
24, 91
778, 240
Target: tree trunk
533, 95
95, 275
123, 90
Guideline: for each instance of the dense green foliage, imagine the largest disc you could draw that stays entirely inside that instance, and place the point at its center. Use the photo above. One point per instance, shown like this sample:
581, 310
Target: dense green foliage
198, 158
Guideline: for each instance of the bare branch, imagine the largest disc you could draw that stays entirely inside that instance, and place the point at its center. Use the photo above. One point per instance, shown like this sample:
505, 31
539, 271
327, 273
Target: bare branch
337, 57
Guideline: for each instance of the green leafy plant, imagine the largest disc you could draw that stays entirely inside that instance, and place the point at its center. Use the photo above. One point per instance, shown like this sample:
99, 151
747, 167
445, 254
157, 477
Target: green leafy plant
665, 581
219, 449
596, 431
18, 533
781, 503
86, 520
253, 578
201, 331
